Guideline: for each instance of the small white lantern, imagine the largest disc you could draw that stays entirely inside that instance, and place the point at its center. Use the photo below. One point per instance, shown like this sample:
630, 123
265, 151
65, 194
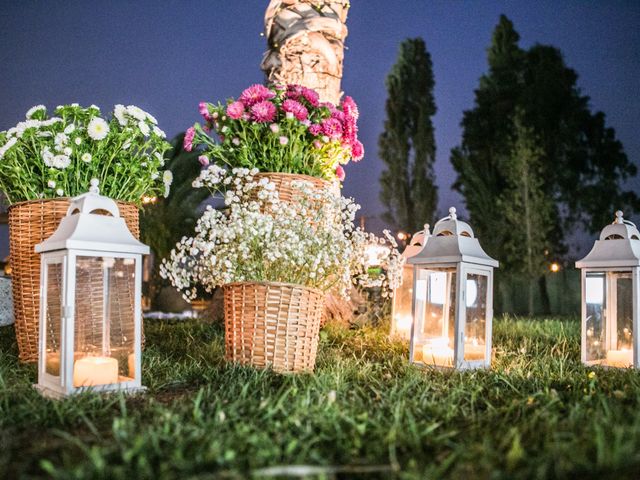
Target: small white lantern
452, 299
611, 296
401, 318
90, 312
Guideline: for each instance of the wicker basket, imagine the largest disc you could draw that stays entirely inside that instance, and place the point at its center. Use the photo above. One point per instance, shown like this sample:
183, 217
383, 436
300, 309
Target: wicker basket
272, 325
284, 181
29, 224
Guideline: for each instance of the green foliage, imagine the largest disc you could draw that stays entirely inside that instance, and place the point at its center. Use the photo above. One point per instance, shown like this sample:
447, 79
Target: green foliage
538, 413
165, 222
579, 157
44, 157
407, 144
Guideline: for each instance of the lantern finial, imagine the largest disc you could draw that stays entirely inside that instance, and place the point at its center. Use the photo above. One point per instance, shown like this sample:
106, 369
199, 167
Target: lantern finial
452, 213
426, 229
94, 186
619, 218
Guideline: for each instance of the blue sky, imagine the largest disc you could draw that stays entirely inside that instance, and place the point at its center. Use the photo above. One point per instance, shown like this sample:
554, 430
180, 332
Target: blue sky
167, 56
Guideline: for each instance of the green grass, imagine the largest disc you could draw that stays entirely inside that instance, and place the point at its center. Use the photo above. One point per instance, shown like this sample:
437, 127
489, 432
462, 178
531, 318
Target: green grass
538, 413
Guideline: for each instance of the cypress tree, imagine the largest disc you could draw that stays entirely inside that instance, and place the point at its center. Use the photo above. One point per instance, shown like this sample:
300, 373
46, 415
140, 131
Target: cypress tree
407, 144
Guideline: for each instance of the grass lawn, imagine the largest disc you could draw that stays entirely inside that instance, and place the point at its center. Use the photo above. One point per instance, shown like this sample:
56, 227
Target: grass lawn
538, 413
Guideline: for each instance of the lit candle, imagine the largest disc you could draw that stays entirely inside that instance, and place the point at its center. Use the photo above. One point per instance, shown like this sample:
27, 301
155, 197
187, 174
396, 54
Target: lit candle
619, 358
437, 352
474, 351
132, 365
89, 371
403, 326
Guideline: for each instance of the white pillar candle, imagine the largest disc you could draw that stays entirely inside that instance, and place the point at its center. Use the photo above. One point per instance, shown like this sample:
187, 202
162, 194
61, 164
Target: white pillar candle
619, 358
437, 353
403, 326
90, 371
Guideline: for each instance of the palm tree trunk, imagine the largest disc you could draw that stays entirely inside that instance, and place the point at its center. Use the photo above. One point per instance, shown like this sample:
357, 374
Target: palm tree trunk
306, 44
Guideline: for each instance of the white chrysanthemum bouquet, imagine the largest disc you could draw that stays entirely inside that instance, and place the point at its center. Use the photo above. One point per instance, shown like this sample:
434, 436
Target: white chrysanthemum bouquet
259, 238
57, 156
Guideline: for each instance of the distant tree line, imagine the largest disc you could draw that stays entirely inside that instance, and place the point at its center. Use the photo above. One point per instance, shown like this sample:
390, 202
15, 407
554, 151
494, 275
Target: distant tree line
534, 162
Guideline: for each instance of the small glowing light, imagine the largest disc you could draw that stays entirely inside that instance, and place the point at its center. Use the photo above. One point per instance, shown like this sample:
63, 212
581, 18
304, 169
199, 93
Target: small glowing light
147, 200
375, 254
554, 267
402, 236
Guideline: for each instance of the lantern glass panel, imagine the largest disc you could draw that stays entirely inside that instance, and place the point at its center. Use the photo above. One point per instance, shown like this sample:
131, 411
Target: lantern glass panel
401, 321
475, 328
435, 316
595, 302
53, 317
104, 320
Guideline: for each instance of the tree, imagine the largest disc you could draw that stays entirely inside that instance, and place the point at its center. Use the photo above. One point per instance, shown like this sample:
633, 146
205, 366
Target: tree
407, 145
526, 208
580, 158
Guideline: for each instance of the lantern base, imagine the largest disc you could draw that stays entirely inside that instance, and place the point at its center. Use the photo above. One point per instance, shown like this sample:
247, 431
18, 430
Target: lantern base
57, 395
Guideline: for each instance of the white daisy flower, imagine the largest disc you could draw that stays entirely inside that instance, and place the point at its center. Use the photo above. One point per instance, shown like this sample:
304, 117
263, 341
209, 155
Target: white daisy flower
47, 156
144, 128
86, 157
98, 129
120, 113
67, 151
136, 112
34, 109
126, 145
60, 140
70, 128
167, 179
60, 192
77, 141
5, 148
160, 133
51, 184
61, 162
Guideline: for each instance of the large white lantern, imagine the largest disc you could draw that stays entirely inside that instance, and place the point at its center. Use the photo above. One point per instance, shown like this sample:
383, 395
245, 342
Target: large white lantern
90, 311
401, 318
610, 297
452, 299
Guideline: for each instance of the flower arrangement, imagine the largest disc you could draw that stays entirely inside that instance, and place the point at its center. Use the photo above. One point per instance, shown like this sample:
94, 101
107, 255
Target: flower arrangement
279, 129
259, 238
57, 156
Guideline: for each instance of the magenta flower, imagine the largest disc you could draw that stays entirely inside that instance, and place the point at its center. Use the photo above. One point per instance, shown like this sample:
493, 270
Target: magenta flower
293, 106
204, 160
264, 111
317, 144
357, 151
315, 129
235, 110
340, 173
350, 108
311, 96
332, 128
203, 108
255, 94
350, 131
188, 139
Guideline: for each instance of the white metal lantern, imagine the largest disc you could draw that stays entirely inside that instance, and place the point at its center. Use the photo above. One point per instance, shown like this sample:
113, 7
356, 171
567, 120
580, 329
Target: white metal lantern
452, 299
90, 312
610, 297
401, 318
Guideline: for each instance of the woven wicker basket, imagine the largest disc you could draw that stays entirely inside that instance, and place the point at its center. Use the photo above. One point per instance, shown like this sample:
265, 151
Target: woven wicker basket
29, 224
284, 181
272, 325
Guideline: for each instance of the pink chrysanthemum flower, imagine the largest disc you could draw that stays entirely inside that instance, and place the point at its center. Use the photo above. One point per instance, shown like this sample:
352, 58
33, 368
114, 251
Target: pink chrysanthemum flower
188, 139
350, 130
264, 111
204, 160
235, 110
203, 108
315, 129
255, 94
357, 151
295, 107
332, 128
340, 173
311, 96
350, 108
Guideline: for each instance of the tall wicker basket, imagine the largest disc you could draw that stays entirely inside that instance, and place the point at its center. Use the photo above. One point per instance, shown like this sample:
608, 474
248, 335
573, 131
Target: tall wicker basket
29, 224
284, 181
272, 325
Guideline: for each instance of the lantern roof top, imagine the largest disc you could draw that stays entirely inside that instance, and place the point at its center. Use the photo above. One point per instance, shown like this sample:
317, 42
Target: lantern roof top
417, 242
93, 222
452, 241
618, 246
